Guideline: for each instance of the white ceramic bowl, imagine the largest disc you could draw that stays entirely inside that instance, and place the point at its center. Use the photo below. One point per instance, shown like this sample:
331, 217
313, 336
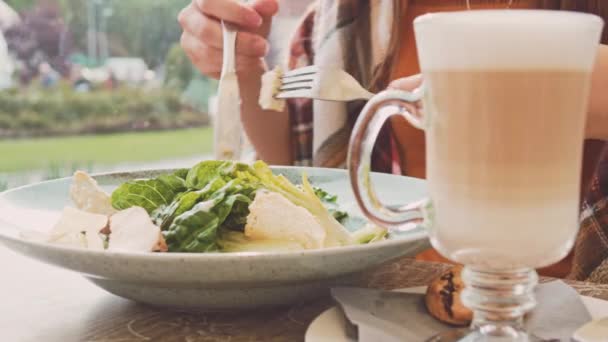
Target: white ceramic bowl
211, 281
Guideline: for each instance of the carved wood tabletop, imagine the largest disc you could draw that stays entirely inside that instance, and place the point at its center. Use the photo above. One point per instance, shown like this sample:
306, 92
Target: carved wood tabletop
44, 303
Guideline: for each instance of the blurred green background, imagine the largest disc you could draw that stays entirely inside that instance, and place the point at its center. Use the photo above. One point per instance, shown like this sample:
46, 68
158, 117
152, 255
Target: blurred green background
103, 85
98, 85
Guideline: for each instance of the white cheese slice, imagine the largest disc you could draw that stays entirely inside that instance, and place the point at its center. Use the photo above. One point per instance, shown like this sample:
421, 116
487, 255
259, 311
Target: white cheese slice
133, 230
78, 228
273, 217
271, 83
88, 196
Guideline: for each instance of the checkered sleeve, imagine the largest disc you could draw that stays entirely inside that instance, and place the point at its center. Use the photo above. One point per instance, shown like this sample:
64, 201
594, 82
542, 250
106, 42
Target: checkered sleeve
591, 247
301, 54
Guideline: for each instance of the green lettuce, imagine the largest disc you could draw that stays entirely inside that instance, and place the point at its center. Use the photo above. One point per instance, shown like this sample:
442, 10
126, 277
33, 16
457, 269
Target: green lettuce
204, 172
303, 196
196, 230
149, 194
331, 203
165, 215
205, 208
182, 173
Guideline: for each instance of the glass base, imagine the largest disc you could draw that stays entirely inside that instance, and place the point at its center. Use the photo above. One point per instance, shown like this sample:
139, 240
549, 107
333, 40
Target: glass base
499, 300
468, 335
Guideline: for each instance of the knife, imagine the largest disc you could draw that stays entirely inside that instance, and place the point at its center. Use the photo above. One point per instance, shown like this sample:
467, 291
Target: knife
227, 123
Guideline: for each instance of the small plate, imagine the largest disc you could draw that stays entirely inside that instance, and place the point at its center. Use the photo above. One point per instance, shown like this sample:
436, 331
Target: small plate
210, 281
330, 325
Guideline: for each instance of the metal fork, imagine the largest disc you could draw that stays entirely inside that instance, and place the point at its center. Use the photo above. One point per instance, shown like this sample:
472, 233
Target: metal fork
329, 84
227, 123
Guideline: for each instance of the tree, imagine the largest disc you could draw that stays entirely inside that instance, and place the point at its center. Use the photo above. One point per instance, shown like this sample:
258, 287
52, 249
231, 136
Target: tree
41, 36
21, 5
146, 28
74, 14
136, 28
178, 69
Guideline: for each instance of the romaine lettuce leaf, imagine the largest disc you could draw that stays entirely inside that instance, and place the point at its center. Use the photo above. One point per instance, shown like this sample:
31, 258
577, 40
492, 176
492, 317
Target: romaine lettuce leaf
303, 196
204, 172
196, 230
182, 173
184, 202
148, 193
205, 208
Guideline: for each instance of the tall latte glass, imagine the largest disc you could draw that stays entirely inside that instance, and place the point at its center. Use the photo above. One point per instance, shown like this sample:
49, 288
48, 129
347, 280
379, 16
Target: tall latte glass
503, 105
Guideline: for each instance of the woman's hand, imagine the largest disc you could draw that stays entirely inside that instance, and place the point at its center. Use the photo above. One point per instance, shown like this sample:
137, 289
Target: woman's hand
202, 36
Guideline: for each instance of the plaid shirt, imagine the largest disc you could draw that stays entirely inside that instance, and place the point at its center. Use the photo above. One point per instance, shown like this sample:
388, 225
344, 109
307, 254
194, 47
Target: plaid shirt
302, 53
591, 250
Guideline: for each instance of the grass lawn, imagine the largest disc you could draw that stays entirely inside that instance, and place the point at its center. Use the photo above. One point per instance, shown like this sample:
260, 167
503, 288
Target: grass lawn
30, 154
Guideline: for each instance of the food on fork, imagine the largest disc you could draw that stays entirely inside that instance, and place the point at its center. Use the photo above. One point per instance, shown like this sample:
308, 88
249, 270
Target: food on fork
216, 206
271, 83
443, 298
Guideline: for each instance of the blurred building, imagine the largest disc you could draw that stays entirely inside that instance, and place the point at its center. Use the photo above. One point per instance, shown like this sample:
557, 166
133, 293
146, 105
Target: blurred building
128, 69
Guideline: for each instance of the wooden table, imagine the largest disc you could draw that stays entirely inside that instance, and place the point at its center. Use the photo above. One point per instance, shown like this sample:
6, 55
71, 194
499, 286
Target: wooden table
44, 303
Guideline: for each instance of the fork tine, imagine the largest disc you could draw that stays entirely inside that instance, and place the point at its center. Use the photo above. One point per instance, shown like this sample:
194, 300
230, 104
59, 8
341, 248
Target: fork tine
295, 87
296, 93
309, 70
301, 81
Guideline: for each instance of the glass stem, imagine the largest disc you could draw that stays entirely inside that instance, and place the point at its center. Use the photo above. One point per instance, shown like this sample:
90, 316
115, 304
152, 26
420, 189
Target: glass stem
499, 300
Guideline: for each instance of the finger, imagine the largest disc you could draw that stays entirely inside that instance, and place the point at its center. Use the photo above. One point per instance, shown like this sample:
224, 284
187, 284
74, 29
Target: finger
202, 27
208, 60
247, 43
185, 13
191, 19
251, 45
407, 83
207, 65
231, 11
209, 31
266, 8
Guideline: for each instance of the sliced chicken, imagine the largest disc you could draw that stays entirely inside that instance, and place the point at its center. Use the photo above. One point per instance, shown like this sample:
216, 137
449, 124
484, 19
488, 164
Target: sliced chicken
271, 82
79, 228
132, 230
273, 217
88, 196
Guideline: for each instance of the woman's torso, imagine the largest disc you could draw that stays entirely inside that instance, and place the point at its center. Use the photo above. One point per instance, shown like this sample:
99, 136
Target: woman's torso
410, 147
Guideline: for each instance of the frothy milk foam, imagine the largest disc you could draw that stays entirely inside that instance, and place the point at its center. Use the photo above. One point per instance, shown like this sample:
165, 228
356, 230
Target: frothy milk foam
505, 109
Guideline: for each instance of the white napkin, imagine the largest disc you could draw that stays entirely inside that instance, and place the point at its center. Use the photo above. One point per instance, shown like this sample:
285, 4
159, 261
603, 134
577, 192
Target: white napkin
387, 316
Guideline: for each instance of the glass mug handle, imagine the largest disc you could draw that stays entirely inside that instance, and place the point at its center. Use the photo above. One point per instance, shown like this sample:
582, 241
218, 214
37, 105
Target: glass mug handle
376, 112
